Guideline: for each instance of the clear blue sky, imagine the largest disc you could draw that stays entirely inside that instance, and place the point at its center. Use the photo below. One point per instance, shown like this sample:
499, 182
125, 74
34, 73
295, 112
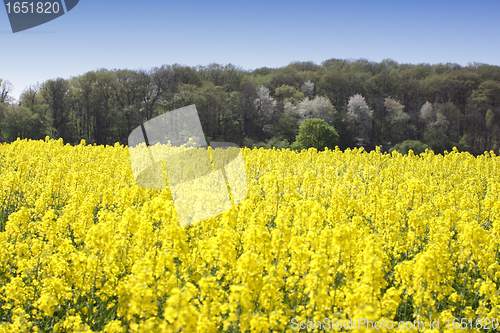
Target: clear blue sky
250, 34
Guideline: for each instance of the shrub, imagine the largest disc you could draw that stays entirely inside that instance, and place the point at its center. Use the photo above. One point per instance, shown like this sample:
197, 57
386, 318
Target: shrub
415, 145
318, 134
296, 146
277, 143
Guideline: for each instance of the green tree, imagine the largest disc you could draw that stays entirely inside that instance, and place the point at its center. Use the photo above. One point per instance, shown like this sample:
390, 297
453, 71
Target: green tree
397, 118
487, 94
187, 75
490, 118
333, 85
454, 119
20, 122
436, 138
5, 90
159, 86
275, 142
104, 106
32, 99
127, 101
56, 94
242, 104
404, 147
84, 108
289, 93
464, 82
211, 103
318, 134
284, 76
105, 112
3, 113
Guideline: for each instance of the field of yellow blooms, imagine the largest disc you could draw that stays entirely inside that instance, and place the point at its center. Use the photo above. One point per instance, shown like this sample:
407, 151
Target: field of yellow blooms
322, 238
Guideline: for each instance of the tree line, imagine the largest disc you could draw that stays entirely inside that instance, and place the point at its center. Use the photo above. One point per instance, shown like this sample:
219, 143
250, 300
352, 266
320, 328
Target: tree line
367, 103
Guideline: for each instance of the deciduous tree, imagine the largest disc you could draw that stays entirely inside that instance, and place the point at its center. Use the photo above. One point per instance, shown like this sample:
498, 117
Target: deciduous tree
5, 91
397, 118
307, 88
265, 106
319, 107
318, 134
360, 115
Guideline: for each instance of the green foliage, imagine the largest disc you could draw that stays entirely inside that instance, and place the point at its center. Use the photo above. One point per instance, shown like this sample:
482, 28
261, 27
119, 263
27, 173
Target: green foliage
288, 127
104, 106
3, 109
263, 71
318, 134
404, 147
397, 119
284, 76
296, 146
462, 143
249, 143
275, 142
291, 94
437, 140
21, 122
490, 118
303, 66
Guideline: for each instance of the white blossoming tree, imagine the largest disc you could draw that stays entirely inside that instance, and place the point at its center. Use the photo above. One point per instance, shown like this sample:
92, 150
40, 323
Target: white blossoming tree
427, 113
266, 107
436, 125
360, 116
397, 118
319, 107
307, 88
433, 117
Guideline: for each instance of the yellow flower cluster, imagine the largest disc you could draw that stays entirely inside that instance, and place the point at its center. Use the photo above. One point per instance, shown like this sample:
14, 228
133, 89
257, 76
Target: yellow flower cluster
340, 235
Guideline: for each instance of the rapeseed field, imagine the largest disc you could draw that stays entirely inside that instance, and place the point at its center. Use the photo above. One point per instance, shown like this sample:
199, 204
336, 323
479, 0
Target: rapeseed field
322, 239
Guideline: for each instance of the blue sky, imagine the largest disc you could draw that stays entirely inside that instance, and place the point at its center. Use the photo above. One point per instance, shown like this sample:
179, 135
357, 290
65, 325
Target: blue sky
250, 34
